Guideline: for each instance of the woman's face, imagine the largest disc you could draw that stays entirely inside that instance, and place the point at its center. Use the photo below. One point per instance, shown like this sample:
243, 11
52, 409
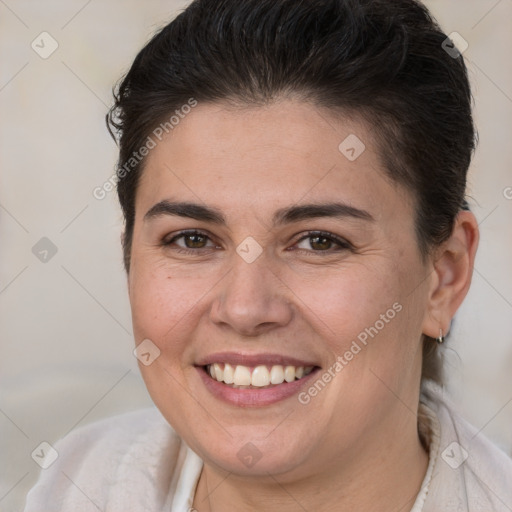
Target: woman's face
304, 256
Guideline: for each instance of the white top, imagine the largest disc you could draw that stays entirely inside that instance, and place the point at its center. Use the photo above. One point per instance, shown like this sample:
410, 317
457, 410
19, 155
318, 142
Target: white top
135, 462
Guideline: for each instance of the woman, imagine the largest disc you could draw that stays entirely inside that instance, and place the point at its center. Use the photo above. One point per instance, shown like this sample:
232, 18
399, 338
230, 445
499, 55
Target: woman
292, 176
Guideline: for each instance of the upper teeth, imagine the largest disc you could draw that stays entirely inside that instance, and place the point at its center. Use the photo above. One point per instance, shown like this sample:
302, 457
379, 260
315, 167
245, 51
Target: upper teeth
259, 376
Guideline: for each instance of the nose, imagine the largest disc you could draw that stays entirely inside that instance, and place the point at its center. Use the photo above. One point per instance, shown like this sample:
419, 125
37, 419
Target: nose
252, 299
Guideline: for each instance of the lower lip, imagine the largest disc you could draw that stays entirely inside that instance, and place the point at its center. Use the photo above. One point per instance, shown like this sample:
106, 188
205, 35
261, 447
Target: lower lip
253, 397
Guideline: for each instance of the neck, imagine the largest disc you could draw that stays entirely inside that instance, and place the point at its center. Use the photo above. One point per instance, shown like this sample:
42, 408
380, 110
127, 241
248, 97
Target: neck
386, 472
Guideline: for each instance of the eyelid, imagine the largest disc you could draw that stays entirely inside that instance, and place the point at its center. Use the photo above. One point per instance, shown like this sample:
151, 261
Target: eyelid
343, 243
168, 240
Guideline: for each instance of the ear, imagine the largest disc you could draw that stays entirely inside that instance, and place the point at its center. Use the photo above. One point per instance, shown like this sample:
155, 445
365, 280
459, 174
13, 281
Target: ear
452, 271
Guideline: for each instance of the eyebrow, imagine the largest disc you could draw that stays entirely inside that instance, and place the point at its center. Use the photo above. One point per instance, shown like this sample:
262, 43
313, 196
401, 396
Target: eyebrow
282, 216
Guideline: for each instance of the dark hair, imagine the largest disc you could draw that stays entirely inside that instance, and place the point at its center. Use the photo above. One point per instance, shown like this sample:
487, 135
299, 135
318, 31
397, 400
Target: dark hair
383, 61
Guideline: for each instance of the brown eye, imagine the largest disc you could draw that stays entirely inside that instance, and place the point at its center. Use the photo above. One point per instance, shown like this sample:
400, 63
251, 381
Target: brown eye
195, 241
189, 241
320, 242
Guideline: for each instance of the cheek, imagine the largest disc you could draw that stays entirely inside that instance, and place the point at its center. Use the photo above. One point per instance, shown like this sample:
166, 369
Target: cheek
350, 300
367, 315
165, 309
163, 303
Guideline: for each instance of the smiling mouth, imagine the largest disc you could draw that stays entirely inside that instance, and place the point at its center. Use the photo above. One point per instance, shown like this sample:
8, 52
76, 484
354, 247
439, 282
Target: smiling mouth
257, 377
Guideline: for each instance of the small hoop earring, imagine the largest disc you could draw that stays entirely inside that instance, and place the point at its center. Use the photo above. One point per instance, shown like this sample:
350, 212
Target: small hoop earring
440, 338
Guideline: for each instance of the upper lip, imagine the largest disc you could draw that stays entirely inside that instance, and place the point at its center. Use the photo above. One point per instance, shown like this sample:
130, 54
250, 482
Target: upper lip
237, 358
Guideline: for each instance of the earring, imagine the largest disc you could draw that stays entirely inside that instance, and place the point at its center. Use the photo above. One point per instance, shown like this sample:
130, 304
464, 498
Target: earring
440, 338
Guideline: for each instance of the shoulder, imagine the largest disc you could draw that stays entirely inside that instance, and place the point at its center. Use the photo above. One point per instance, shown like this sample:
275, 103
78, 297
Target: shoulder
129, 458
470, 472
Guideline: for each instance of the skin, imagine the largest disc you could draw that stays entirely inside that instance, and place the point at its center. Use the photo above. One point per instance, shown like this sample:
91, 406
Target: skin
355, 443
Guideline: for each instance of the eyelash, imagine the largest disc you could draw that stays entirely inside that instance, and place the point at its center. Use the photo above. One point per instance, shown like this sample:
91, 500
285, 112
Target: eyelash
342, 244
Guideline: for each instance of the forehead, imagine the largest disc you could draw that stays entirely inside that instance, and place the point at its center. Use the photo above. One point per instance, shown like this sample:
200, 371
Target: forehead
266, 156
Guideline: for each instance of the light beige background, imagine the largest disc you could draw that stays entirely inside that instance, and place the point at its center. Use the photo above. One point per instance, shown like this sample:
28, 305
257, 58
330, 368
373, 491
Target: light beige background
65, 332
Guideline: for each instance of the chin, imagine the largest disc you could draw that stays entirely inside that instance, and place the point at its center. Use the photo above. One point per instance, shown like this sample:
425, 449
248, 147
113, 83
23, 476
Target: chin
251, 451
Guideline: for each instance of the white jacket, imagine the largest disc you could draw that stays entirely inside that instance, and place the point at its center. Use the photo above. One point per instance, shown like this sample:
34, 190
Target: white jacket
135, 462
